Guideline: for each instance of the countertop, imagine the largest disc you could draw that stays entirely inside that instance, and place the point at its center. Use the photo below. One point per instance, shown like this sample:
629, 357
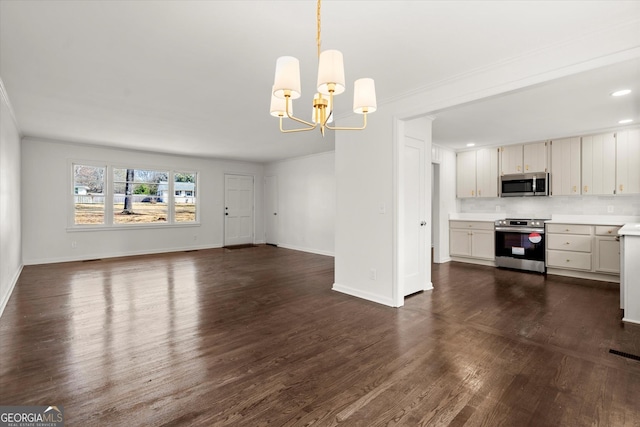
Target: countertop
630, 229
476, 216
555, 219
593, 219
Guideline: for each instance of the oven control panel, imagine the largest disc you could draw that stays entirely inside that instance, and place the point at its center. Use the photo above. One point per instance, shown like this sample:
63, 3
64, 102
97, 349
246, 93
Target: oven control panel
520, 222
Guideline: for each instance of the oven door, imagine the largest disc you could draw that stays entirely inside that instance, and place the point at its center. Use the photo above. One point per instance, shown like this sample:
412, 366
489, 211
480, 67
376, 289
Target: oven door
520, 243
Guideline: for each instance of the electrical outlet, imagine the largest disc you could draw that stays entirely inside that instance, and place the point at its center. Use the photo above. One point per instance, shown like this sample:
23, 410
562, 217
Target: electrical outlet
497, 208
74, 244
609, 209
373, 274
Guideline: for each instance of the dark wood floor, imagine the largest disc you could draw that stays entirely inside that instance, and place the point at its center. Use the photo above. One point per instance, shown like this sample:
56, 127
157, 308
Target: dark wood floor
255, 337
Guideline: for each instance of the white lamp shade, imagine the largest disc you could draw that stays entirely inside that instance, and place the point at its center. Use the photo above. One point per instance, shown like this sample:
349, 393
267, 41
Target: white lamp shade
331, 70
278, 106
287, 77
364, 96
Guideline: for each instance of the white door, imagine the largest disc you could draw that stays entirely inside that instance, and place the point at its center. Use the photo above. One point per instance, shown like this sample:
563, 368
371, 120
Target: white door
271, 209
238, 210
415, 258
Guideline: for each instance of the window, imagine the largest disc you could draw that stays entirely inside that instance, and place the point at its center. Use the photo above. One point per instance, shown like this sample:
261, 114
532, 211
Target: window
88, 194
185, 205
135, 196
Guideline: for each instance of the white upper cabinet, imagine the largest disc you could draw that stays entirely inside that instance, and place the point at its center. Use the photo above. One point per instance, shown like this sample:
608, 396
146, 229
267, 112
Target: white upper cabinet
599, 164
628, 162
477, 173
511, 159
487, 172
523, 158
466, 174
565, 167
535, 157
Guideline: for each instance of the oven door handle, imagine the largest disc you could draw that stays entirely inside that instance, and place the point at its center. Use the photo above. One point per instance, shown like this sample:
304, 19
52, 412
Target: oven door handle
519, 230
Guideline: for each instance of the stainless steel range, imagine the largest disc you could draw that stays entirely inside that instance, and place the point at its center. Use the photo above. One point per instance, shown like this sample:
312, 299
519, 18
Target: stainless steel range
520, 244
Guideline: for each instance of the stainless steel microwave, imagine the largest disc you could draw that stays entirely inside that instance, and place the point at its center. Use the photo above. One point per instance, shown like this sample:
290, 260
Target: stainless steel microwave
524, 184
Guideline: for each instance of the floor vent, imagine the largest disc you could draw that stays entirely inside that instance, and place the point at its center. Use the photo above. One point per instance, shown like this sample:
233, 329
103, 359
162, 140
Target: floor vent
91, 260
623, 354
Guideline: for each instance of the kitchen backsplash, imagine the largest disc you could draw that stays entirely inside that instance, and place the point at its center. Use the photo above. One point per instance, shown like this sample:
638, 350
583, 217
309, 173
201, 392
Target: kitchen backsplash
543, 207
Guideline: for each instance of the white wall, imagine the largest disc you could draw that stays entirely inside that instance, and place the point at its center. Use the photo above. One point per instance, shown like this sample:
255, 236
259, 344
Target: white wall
46, 208
306, 202
365, 208
10, 222
365, 160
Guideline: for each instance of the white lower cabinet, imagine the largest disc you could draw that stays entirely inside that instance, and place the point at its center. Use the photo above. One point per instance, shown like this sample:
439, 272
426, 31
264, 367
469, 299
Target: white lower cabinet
588, 251
607, 250
474, 240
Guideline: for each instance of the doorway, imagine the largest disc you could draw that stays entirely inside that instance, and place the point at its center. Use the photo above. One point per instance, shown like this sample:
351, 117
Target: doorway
238, 209
271, 210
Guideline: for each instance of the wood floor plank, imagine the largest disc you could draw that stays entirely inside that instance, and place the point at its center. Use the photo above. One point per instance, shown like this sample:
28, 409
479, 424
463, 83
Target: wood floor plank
256, 336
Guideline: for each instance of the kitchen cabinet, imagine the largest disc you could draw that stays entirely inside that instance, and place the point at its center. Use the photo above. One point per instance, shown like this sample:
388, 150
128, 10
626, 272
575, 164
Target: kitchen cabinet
472, 239
511, 159
466, 174
569, 246
582, 250
477, 173
628, 162
523, 158
599, 164
535, 157
607, 249
565, 167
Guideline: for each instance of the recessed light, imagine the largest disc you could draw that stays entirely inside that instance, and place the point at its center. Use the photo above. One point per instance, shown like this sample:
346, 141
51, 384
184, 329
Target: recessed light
625, 121
471, 144
622, 92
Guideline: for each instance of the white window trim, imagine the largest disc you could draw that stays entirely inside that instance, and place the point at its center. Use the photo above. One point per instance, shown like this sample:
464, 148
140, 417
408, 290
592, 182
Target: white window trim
109, 196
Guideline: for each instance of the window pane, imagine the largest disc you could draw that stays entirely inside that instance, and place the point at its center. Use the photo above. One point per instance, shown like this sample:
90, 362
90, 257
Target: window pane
88, 194
184, 186
137, 197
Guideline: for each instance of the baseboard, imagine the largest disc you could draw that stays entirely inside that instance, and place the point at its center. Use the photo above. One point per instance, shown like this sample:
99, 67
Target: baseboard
117, 255
5, 298
310, 250
584, 275
476, 261
364, 295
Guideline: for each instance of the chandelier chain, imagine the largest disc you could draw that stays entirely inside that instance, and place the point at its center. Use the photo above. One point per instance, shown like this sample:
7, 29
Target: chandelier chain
318, 40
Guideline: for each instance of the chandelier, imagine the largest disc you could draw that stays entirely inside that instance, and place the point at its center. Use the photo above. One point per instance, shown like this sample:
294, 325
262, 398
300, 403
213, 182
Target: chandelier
330, 82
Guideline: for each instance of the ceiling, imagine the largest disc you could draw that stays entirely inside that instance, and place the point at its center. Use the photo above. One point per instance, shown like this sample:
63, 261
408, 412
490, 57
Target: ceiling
193, 77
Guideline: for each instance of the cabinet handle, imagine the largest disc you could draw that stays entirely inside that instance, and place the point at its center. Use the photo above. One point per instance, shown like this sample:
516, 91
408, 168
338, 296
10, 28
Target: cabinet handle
566, 229
568, 260
609, 231
574, 188
527, 167
621, 187
472, 192
479, 192
586, 188
518, 168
